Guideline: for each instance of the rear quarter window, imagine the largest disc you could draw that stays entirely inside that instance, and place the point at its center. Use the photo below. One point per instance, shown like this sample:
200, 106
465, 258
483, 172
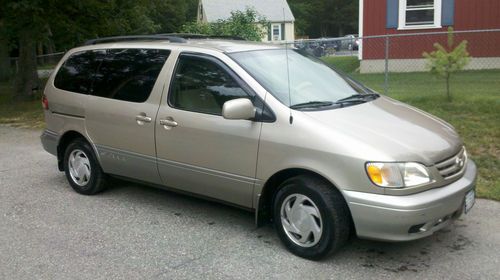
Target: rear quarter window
77, 72
129, 74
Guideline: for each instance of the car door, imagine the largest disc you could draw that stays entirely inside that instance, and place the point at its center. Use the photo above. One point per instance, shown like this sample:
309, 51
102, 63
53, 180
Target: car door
121, 111
198, 150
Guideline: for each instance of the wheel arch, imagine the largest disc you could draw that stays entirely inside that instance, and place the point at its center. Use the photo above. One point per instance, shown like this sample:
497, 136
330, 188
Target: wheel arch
266, 197
68, 137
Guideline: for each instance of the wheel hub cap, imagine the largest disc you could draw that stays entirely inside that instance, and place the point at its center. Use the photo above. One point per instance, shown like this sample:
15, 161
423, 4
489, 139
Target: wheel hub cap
79, 167
301, 220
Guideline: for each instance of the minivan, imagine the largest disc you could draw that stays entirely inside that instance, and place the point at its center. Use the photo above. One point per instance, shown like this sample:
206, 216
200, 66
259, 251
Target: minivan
262, 127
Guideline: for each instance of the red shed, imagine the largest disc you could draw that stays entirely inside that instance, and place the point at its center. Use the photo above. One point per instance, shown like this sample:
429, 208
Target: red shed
402, 17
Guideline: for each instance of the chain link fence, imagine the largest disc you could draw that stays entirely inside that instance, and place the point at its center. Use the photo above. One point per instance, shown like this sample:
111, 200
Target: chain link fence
45, 63
379, 58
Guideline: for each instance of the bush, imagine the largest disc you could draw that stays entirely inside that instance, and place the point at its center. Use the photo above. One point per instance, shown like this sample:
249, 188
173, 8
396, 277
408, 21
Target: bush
246, 24
443, 62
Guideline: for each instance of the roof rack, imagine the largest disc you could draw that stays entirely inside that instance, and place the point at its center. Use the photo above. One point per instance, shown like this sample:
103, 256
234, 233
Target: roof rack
203, 36
171, 37
156, 37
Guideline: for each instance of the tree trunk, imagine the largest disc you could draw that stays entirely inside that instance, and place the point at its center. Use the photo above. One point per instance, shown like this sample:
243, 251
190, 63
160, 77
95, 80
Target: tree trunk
39, 52
27, 78
4, 59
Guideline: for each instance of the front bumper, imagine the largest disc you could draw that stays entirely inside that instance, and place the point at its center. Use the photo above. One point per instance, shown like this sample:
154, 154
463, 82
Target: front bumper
49, 141
395, 218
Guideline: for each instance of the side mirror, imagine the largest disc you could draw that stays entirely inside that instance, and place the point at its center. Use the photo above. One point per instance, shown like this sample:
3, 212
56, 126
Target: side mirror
238, 109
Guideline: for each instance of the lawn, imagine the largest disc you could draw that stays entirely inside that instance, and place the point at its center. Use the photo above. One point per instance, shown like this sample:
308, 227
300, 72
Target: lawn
28, 114
346, 64
474, 112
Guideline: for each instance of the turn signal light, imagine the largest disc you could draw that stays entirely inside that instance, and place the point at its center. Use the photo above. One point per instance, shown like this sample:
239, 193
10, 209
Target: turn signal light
375, 174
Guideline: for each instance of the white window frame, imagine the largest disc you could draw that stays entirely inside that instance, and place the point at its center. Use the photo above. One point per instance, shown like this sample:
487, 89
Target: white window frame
402, 17
272, 31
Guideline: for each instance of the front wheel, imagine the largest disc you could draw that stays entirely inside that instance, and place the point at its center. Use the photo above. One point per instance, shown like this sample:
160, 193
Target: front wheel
82, 169
311, 216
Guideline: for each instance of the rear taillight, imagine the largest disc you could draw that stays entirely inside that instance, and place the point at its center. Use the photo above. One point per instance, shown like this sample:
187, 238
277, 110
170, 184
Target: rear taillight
45, 102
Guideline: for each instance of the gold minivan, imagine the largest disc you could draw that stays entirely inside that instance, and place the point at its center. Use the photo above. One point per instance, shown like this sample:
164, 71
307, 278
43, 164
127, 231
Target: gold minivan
261, 127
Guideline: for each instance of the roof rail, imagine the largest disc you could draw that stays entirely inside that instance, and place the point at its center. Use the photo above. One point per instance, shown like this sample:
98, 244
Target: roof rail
156, 37
203, 36
171, 37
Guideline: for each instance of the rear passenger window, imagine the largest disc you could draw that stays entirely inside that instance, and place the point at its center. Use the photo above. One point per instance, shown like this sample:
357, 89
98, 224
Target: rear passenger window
129, 74
77, 72
201, 85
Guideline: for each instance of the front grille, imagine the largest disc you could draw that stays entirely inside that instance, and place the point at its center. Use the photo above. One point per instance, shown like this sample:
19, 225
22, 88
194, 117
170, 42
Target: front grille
453, 166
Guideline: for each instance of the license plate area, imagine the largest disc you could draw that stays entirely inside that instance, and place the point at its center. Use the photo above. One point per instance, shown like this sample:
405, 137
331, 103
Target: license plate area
470, 199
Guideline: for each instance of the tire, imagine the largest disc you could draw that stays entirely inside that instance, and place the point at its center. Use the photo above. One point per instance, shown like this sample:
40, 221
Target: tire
82, 169
318, 205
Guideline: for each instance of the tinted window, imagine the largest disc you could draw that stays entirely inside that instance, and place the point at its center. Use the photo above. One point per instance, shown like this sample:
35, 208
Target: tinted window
129, 74
201, 85
77, 72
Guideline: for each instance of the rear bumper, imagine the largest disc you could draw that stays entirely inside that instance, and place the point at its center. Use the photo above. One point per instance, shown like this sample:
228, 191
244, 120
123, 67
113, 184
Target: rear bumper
400, 218
49, 141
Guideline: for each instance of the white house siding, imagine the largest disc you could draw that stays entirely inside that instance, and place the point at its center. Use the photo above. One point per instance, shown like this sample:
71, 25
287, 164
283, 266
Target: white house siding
290, 31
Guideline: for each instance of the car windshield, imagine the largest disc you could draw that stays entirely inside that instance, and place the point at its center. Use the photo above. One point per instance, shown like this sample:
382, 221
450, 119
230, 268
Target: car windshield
312, 83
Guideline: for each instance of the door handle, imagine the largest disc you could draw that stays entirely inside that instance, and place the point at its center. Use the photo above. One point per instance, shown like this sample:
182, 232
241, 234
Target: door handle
142, 119
168, 123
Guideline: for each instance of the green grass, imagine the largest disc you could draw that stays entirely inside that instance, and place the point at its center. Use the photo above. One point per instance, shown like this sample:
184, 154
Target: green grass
347, 64
46, 67
474, 112
26, 114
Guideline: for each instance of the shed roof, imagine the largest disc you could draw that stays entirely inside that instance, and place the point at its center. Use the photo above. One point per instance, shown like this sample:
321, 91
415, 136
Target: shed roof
272, 10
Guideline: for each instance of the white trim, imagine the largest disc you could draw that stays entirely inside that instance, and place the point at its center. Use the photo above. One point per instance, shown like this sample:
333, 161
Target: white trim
360, 28
402, 17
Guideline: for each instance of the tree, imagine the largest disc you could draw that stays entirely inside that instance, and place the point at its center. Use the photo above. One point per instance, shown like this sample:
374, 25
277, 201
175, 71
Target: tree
64, 24
325, 18
25, 19
4, 54
445, 61
246, 24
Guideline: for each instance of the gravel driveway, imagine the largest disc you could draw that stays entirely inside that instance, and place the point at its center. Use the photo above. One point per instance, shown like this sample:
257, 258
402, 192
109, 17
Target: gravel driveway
47, 231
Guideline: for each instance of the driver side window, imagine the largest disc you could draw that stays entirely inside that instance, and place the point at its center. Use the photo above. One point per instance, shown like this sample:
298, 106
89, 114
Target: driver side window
201, 85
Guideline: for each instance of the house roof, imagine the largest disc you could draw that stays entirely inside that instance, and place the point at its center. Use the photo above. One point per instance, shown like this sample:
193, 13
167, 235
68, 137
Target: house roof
272, 10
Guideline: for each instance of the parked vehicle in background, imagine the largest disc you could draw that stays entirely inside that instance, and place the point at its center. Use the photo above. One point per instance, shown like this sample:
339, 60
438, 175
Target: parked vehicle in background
350, 42
314, 48
259, 126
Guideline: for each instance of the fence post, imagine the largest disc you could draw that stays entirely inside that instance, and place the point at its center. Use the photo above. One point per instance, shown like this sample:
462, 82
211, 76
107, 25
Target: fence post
386, 80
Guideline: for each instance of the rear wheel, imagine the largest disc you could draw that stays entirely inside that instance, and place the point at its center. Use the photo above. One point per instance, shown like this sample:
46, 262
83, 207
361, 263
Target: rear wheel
311, 216
82, 169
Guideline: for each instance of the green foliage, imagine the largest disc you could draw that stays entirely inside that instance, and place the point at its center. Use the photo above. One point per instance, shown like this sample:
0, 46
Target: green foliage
246, 24
65, 24
48, 26
445, 61
320, 18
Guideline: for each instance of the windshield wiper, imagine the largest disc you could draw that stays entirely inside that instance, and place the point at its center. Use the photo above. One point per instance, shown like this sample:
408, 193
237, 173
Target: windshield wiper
312, 104
358, 97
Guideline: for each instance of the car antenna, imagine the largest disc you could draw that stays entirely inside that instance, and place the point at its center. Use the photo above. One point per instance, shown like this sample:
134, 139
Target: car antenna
288, 73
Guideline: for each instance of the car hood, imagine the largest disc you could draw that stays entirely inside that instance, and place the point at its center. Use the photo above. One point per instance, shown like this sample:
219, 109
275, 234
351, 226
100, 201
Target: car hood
400, 131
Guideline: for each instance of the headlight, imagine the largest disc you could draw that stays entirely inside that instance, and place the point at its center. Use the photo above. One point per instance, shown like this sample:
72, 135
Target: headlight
397, 175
